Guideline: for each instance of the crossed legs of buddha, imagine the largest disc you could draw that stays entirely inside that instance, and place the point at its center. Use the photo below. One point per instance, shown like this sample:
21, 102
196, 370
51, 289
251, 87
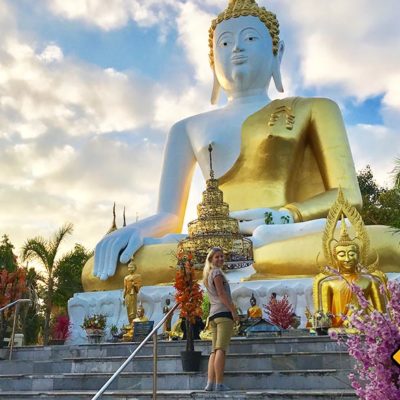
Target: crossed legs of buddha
291, 257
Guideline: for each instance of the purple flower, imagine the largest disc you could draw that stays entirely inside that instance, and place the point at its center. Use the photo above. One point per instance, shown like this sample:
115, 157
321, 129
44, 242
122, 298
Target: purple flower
375, 376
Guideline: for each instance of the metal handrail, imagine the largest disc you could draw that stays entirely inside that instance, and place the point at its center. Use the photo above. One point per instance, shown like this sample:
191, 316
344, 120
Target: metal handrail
129, 359
14, 303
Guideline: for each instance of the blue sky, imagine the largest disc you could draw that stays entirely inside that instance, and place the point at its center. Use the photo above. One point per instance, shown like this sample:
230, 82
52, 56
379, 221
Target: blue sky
88, 91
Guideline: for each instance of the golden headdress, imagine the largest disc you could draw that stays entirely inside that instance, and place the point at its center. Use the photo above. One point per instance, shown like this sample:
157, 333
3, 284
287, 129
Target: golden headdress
340, 210
243, 8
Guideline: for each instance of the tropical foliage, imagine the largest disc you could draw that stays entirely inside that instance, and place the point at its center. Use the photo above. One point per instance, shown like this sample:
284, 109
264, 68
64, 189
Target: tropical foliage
381, 205
45, 252
61, 327
8, 259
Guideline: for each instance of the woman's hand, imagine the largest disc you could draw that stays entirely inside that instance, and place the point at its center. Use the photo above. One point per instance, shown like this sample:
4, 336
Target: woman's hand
235, 316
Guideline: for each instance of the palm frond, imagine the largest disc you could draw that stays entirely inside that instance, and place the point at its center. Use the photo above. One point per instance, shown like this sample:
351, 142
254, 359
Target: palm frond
57, 239
396, 174
36, 249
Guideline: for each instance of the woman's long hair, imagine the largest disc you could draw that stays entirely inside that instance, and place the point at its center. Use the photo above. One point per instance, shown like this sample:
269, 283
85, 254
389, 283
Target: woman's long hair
208, 265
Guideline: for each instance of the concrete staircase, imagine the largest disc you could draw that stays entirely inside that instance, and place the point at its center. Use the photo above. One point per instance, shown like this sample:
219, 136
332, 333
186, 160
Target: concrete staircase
270, 368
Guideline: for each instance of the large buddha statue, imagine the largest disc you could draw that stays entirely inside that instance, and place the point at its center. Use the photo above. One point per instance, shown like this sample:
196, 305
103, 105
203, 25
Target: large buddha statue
332, 288
284, 159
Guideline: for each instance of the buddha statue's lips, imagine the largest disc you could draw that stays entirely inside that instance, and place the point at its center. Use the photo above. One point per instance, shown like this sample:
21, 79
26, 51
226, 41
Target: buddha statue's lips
239, 59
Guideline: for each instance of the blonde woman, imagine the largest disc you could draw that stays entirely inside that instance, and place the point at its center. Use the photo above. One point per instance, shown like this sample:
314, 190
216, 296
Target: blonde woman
222, 316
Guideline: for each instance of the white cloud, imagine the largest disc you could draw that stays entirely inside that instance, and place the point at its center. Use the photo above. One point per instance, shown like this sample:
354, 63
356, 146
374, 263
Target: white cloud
58, 160
113, 14
61, 157
377, 146
352, 45
52, 53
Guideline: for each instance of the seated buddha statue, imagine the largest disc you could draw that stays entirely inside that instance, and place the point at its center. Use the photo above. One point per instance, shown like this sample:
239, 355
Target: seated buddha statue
332, 289
254, 311
130, 329
279, 162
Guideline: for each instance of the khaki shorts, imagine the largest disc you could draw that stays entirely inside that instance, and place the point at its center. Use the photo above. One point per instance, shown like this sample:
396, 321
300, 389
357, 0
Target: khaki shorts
222, 330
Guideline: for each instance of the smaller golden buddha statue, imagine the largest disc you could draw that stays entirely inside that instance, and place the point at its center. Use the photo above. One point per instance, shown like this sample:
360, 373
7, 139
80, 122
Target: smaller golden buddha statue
254, 312
167, 323
132, 284
140, 317
332, 289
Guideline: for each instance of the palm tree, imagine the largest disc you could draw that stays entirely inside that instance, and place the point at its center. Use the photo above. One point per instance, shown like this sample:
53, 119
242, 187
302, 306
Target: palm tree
45, 252
396, 174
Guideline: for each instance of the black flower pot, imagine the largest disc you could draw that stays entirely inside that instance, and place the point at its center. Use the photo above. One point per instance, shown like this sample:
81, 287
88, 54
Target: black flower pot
191, 361
322, 331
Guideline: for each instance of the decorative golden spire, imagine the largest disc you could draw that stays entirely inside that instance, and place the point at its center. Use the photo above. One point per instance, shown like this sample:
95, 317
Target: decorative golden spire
114, 224
210, 149
344, 235
214, 227
124, 218
243, 8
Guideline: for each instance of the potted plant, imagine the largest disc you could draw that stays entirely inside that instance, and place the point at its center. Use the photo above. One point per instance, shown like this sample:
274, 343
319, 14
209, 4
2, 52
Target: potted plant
190, 296
94, 326
61, 330
322, 322
115, 333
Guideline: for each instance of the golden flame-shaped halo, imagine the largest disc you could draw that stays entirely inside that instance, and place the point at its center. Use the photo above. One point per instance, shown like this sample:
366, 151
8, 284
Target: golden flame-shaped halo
340, 210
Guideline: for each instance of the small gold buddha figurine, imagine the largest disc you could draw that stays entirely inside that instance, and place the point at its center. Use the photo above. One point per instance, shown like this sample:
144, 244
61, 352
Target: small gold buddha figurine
132, 284
141, 317
332, 292
254, 312
166, 309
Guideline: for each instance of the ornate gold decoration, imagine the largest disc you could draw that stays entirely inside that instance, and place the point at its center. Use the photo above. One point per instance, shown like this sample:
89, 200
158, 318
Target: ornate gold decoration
243, 8
343, 209
347, 258
214, 228
290, 117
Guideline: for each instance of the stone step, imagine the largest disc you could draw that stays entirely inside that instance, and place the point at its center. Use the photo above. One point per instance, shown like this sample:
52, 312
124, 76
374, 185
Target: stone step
238, 345
235, 362
185, 395
239, 380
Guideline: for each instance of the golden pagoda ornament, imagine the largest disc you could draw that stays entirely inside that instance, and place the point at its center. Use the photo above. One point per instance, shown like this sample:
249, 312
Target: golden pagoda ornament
215, 228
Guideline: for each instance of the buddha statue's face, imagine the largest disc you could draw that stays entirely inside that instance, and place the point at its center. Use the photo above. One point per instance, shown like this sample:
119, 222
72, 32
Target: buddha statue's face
347, 258
243, 56
140, 312
131, 267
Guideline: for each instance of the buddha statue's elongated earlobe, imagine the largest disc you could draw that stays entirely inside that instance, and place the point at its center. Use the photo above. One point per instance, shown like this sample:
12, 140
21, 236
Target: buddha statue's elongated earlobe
215, 90
276, 69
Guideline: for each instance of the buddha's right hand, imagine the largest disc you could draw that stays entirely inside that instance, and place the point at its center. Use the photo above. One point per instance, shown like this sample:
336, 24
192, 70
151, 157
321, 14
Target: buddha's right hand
125, 241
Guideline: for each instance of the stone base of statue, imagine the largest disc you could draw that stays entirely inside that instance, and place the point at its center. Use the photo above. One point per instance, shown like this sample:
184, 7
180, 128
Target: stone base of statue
299, 293
110, 304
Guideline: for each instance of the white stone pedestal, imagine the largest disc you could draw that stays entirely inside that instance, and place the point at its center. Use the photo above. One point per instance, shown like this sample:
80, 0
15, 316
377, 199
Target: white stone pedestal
153, 298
